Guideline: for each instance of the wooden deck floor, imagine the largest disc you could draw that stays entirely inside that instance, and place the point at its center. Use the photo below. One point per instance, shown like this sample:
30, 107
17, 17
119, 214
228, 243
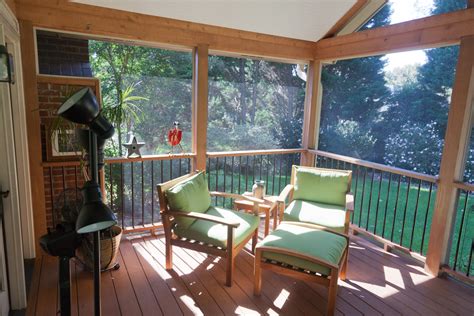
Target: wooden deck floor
378, 283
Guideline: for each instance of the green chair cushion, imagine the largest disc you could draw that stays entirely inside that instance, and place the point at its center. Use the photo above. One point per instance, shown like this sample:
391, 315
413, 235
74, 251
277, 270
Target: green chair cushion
330, 216
309, 241
216, 234
322, 186
191, 195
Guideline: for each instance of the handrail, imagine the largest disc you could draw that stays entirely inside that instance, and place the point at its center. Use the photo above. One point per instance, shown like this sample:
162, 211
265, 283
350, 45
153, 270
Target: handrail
115, 160
464, 186
374, 165
216, 154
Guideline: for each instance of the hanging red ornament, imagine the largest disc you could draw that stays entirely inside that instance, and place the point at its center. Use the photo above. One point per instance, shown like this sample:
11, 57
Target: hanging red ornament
174, 136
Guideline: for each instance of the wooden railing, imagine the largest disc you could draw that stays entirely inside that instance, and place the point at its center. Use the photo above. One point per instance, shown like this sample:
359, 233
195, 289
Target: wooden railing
129, 186
392, 205
462, 240
236, 171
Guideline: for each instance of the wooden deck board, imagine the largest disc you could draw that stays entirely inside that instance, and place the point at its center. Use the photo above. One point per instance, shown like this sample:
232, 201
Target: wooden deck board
378, 283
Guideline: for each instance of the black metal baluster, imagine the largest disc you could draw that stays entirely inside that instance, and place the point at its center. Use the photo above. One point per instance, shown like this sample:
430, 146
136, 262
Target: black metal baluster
232, 178
208, 173
378, 203
247, 175
133, 197
414, 216
122, 195
225, 175
386, 205
362, 198
405, 211
152, 192
111, 192
370, 199
426, 218
267, 188
470, 260
179, 168
189, 165
261, 166
240, 174
395, 208
217, 176
143, 194
171, 169
273, 176
461, 229
357, 173
253, 169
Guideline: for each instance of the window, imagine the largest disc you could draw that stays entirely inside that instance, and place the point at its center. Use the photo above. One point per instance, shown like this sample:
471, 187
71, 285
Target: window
254, 104
388, 109
144, 91
397, 11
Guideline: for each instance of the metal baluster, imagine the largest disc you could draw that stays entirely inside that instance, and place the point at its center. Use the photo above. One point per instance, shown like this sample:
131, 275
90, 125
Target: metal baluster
461, 229
261, 166
122, 195
247, 174
217, 176
143, 194
208, 173
279, 178
273, 176
171, 169
240, 173
232, 179
396, 206
189, 165
426, 218
133, 197
225, 175
370, 199
111, 193
253, 169
152, 192
470, 260
362, 198
267, 189
414, 216
405, 211
378, 203
386, 205
179, 168
357, 173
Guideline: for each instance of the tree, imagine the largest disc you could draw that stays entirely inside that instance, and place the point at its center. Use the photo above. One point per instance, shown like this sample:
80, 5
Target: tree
354, 92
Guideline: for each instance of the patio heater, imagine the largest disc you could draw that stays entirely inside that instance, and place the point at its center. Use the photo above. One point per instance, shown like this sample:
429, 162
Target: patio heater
94, 216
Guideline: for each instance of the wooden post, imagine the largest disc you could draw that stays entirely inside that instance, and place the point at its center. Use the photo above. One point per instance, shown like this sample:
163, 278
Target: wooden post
453, 159
199, 106
28, 57
312, 111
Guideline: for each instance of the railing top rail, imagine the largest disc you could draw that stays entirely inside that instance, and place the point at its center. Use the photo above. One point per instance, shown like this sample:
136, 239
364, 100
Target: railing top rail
464, 186
115, 160
373, 165
216, 154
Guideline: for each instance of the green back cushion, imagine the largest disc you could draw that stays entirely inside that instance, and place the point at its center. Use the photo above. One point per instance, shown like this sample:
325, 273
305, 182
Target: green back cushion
322, 186
191, 195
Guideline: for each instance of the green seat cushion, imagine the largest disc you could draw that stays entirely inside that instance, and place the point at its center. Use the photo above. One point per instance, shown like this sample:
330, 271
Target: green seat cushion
330, 216
216, 234
191, 195
321, 185
309, 241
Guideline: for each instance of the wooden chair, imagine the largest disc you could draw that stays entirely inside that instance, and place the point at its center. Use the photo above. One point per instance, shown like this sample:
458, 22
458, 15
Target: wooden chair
335, 214
228, 250
292, 250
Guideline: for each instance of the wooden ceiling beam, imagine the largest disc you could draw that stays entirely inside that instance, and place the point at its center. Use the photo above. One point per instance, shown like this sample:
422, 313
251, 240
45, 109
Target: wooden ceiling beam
96, 21
353, 11
434, 31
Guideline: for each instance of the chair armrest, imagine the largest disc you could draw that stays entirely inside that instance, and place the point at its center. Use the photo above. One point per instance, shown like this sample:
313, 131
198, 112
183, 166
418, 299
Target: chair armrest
206, 217
236, 196
350, 202
284, 194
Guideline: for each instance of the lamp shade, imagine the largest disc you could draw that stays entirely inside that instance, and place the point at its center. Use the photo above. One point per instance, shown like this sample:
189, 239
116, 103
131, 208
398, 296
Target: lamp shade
82, 108
94, 215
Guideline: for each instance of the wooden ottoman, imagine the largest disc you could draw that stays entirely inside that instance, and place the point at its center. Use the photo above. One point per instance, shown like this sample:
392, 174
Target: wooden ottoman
304, 251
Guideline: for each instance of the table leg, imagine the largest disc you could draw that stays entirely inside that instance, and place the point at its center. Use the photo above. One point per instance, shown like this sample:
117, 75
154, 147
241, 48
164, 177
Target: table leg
267, 221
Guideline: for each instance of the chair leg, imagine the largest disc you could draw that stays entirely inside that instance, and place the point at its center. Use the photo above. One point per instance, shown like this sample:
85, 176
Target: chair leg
343, 273
229, 270
254, 240
257, 285
332, 295
169, 256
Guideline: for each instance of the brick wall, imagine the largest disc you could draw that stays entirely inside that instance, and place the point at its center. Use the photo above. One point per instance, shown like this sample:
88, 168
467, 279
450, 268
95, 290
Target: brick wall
64, 55
56, 178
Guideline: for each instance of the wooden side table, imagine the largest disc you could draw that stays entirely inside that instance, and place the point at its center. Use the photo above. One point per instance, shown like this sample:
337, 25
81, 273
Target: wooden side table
268, 207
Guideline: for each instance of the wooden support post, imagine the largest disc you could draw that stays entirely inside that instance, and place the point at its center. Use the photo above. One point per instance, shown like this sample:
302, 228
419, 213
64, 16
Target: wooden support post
199, 106
312, 112
28, 57
453, 159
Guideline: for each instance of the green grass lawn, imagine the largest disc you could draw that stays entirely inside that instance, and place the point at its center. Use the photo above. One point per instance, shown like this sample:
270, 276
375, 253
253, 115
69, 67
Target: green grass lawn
399, 213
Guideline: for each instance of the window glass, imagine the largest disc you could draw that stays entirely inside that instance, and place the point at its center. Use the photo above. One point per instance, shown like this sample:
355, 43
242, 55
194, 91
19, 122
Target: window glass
254, 104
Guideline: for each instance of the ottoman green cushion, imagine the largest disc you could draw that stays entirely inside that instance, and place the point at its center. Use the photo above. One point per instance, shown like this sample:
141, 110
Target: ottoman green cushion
330, 216
322, 186
216, 234
191, 195
309, 241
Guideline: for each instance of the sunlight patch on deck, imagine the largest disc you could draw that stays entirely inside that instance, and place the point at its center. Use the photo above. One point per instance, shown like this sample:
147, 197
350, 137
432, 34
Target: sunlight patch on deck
281, 298
394, 276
